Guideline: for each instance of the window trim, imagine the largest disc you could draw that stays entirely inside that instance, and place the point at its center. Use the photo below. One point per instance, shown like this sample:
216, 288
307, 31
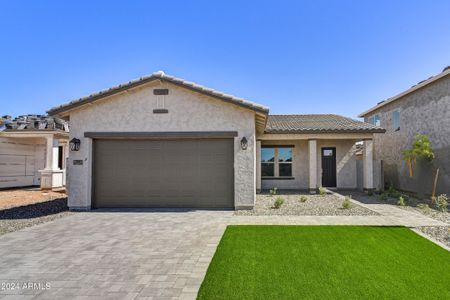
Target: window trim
276, 163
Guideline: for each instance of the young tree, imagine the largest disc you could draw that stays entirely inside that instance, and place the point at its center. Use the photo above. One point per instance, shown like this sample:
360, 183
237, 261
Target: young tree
421, 148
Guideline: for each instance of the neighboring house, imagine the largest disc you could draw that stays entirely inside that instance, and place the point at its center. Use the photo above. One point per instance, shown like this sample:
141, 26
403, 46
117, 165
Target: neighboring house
33, 151
160, 141
422, 109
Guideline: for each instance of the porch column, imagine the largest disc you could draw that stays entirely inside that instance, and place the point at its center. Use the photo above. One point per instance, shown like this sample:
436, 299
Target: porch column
258, 166
49, 161
368, 165
51, 176
312, 145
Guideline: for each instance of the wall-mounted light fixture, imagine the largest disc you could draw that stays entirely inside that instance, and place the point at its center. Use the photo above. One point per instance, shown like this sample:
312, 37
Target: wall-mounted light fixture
244, 143
74, 144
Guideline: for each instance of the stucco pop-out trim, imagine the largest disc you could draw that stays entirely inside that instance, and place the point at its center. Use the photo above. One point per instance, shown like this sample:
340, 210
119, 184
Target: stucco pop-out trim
163, 135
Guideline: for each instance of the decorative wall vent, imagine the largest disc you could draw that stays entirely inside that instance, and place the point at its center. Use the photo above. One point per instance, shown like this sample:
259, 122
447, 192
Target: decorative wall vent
160, 101
161, 92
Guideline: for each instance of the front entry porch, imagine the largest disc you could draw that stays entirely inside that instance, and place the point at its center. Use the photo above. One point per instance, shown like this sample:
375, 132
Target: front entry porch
311, 161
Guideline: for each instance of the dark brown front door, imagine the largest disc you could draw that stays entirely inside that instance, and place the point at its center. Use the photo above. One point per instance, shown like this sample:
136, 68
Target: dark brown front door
329, 167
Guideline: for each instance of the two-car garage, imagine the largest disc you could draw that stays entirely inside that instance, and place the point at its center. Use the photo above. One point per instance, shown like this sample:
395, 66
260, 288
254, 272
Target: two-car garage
162, 142
188, 173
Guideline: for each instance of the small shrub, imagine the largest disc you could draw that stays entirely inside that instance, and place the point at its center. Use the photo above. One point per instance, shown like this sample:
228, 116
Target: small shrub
273, 191
442, 202
406, 197
384, 196
322, 191
401, 201
278, 202
424, 207
392, 192
347, 204
370, 193
303, 198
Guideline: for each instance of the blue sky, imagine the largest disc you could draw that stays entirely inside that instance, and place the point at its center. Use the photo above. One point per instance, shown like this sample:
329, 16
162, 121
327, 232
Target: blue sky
293, 56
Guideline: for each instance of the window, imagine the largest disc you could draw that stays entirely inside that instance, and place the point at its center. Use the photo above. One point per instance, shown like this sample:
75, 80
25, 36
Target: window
396, 119
267, 162
276, 162
376, 120
328, 152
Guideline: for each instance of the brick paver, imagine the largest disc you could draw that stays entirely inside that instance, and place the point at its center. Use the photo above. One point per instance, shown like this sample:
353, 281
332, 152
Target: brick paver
113, 255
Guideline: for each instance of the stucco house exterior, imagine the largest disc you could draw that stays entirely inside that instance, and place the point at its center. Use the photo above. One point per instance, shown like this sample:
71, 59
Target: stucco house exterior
33, 151
422, 109
161, 141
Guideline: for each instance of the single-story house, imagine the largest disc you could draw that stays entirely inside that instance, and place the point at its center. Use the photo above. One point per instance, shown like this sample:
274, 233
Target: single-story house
161, 141
33, 151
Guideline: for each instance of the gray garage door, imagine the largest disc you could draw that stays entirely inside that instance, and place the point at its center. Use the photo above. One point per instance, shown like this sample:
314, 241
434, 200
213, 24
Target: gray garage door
163, 173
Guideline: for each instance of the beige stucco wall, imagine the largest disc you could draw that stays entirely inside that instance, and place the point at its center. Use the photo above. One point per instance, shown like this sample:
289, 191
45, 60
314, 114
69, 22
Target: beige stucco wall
188, 111
300, 166
346, 175
425, 111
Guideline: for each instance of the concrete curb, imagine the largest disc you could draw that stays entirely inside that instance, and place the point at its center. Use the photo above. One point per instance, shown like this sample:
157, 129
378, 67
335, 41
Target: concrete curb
430, 238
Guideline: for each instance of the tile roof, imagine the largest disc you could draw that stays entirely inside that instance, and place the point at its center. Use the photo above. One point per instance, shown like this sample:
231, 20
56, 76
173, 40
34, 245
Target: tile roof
33, 123
318, 123
160, 75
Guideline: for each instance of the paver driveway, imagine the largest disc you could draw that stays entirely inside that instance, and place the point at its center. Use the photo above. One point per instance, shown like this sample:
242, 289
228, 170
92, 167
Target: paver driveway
115, 255
137, 255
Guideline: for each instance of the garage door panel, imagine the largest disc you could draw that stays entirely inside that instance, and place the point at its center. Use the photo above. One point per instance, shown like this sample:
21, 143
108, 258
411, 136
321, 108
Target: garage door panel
166, 173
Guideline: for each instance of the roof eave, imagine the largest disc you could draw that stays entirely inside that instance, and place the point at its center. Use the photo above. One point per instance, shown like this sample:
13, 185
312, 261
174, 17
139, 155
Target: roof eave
133, 84
405, 93
325, 131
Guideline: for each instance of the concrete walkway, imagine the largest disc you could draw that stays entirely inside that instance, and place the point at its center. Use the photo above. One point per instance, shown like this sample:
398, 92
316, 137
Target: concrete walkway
396, 216
408, 220
139, 254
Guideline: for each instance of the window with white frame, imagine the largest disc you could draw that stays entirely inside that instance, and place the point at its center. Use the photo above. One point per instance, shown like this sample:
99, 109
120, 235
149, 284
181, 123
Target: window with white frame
396, 119
276, 162
376, 120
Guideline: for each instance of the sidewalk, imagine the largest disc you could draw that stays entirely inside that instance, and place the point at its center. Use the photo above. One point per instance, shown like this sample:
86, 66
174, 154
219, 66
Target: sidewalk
389, 216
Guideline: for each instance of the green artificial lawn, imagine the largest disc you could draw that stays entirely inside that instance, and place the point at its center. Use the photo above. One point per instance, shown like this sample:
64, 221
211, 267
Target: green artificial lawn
326, 262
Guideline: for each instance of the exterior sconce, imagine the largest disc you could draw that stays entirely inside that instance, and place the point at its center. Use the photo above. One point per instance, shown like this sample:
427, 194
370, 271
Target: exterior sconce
244, 143
74, 144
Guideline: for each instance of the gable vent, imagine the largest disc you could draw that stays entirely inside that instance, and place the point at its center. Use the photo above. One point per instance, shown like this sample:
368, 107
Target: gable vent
160, 92
160, 101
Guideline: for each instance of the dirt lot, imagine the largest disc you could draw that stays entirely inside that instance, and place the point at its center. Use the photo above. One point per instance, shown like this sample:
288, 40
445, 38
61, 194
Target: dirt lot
20, 197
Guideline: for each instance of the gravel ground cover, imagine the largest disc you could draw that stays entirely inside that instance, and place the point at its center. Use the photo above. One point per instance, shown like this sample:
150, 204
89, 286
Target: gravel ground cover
315, 205
16, 218
440, 233
24, 196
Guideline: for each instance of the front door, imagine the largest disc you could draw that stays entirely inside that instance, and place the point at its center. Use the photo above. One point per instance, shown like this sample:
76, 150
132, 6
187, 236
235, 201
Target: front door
329, 167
